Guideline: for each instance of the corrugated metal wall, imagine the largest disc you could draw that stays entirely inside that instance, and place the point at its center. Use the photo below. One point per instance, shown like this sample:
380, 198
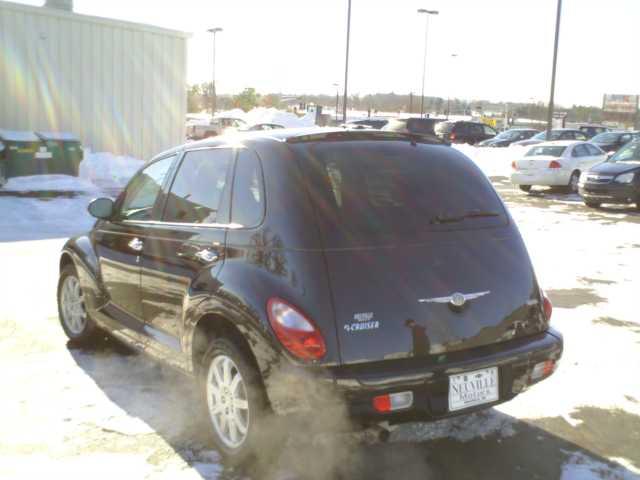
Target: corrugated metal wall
120, 87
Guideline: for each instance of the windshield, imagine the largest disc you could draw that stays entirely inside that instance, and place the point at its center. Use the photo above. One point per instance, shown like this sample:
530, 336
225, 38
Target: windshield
508, 135
374, 193
555, 135
629, 153
606, 137
550, 151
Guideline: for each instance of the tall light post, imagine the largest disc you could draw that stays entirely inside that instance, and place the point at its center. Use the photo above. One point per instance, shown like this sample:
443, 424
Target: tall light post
428, 13
453, 57
213, 80
553, 71
337, 85
346, 65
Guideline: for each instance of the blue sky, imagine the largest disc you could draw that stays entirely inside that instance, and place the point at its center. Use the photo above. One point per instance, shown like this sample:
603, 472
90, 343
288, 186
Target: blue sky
504, 47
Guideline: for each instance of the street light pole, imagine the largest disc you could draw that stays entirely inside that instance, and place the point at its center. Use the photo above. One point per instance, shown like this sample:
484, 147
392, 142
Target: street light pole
337, 85
213, 80
453, 56
553, 71
424, 63
346, 66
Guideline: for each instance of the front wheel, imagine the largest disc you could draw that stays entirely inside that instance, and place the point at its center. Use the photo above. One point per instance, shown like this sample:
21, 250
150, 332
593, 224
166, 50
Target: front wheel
236, 402
75, 321
525, 188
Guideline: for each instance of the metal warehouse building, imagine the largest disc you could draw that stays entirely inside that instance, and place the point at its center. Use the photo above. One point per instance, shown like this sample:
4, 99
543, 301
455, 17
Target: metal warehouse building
119, 86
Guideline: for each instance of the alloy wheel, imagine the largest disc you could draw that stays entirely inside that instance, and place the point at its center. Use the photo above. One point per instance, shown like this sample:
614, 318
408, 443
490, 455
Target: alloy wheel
227, 401
74, 314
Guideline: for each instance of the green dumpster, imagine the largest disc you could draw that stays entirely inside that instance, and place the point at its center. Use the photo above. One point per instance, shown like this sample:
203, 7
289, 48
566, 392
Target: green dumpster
66, 152
20, 153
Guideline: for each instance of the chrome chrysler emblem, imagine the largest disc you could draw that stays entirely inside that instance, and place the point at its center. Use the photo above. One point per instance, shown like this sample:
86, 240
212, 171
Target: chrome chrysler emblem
456, 299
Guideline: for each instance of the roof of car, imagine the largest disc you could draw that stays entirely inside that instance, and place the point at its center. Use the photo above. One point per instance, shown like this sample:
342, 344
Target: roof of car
301, 135
558, 143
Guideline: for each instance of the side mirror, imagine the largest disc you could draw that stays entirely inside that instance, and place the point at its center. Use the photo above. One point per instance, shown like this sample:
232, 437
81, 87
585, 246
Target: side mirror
101, 208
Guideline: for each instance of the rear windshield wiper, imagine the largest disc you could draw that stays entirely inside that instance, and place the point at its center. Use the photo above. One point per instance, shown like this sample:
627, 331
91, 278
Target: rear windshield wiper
458, 218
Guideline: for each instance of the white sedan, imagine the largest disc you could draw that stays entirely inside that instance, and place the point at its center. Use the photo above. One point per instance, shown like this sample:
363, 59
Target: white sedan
555, 164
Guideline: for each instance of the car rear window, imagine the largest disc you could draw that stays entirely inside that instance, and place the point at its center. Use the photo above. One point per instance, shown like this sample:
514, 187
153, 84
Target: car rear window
375, 193
551, 151
444, 127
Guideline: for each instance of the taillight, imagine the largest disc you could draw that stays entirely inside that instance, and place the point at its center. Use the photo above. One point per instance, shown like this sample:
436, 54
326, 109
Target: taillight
554, 164
392, 401
542, 370
295, 331
548, 307
513, 165
452, 136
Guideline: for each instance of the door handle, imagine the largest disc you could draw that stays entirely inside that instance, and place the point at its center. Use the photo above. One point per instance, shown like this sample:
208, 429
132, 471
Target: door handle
136, 244
203, 255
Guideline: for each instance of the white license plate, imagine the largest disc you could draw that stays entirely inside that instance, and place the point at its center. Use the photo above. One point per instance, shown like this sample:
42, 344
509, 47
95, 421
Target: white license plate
473, 388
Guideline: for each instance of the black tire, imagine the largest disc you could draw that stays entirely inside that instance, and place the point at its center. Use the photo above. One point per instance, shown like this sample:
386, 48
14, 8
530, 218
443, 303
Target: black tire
525, 188
572, 187
89, 332
262, 435
3, 175
592, 204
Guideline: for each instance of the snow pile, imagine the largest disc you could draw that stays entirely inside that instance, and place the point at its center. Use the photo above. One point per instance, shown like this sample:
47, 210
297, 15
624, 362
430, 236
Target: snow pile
107, 171
50, 183
494, 162
581, 467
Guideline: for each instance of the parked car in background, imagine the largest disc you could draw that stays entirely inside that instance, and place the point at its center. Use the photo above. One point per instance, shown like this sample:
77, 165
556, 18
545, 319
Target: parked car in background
506, 138
264, 126
557, 134
316, 272
612, 141
217, 126
413, 125
555, 164
593, 130
615, 181
464, 132
376, 123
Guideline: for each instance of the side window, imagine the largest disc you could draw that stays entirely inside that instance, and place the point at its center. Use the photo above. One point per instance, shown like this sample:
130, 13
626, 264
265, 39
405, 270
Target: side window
625, 138
247, 203
142, 192
488, 130
199, 187
580, 151
580, 136
593, 150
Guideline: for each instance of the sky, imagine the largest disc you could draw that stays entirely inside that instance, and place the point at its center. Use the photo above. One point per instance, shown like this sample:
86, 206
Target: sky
504, 47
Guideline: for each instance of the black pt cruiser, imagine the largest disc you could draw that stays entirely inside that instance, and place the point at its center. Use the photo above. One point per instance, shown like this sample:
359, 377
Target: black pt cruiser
292, 270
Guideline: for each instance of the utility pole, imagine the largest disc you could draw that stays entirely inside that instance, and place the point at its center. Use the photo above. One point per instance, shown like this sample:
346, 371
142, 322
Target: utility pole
213, 78
410, 102
346, 65
337, 100
553, 72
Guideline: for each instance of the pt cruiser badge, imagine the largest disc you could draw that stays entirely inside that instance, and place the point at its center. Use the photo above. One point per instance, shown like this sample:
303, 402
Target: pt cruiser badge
457, 299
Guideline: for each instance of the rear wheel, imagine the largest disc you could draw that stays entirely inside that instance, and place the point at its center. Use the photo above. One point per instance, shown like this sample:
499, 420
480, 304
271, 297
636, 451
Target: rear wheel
592, 204
572, 187
75, 321
236, 402
525, 188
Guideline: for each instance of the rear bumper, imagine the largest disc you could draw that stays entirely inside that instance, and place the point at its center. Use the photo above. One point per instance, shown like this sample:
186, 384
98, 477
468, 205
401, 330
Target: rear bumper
354, 386
547, 177
609, 192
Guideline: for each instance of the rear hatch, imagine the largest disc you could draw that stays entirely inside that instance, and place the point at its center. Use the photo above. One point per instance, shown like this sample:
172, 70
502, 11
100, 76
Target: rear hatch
405, 227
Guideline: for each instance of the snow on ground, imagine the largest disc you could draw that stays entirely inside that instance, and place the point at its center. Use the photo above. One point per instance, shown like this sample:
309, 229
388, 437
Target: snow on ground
494, 162
55, 206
